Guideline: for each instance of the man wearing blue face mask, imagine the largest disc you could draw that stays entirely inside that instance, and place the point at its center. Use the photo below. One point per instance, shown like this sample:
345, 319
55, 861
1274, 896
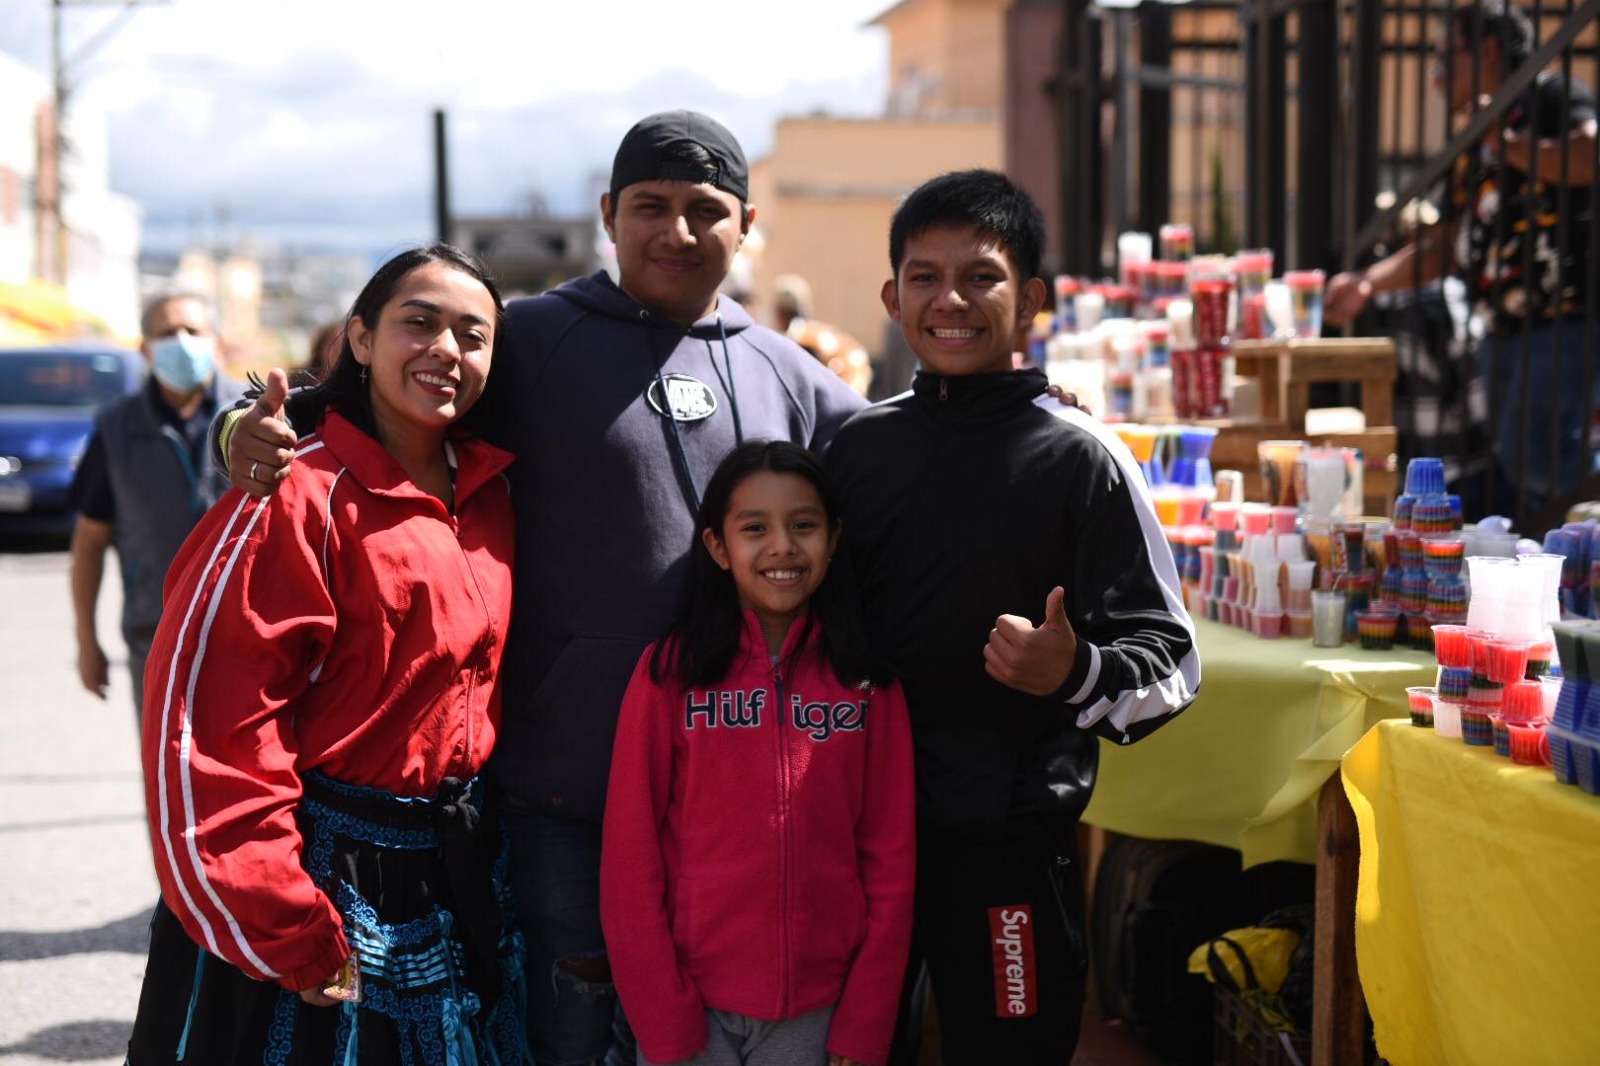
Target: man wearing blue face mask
144, 481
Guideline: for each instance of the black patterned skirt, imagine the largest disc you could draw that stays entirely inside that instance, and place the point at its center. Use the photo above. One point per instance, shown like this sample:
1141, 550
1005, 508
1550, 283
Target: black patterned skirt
420, 886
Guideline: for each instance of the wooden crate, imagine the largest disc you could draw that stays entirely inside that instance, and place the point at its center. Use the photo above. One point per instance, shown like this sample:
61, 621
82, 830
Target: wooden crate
1285, 371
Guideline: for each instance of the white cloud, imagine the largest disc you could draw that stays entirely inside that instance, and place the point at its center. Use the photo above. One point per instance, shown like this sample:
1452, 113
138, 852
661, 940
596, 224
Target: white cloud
308, 117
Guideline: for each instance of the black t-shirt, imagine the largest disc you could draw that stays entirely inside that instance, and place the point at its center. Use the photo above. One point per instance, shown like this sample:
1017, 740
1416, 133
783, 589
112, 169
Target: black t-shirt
91, 494
1490, 242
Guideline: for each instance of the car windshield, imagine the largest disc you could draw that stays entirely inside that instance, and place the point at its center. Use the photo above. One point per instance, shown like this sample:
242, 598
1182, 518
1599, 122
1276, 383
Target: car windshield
60, 379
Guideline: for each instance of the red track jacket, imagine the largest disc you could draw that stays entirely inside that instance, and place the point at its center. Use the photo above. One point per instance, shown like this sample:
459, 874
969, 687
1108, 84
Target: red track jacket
759, 852
349, 624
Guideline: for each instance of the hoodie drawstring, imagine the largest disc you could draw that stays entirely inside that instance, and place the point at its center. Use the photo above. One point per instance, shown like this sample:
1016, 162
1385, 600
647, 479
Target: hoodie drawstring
727, 383
726, 380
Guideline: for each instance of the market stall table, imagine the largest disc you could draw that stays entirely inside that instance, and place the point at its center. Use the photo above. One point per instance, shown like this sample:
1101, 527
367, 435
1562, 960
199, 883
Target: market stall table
1243, 766
1246, 766
1477, 917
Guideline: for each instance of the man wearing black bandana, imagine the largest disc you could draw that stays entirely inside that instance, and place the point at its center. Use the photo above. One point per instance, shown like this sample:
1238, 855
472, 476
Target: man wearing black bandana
622, 398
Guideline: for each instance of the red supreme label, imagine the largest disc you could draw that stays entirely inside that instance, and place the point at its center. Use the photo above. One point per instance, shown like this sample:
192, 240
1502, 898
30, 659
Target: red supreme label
1015, 972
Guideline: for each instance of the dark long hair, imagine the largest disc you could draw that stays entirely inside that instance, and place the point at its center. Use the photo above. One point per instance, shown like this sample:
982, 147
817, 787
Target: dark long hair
700, 647
344, 390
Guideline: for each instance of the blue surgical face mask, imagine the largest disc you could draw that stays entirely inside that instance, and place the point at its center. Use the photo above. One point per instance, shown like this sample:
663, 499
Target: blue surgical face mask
184, 361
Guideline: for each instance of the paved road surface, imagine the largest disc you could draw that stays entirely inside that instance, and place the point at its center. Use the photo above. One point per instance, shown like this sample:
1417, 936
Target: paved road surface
76, 886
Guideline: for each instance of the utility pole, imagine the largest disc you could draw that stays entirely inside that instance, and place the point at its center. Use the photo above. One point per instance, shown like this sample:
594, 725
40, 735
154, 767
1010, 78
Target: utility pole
443, 224
51, 237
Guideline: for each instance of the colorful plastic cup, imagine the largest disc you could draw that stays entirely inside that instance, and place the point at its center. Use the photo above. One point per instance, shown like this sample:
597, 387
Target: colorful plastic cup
1421, 698
1476, 729
1376, 628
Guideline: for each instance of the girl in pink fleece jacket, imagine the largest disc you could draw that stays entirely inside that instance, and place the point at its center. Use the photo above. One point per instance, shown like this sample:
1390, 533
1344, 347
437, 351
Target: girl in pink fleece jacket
758, 862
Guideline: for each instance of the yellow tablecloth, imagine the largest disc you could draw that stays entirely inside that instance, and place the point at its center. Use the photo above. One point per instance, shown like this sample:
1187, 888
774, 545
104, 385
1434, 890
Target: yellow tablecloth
1478, 907
1243, 765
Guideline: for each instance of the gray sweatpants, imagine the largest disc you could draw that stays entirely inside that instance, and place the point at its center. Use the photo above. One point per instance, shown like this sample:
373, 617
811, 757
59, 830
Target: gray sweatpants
734, 1040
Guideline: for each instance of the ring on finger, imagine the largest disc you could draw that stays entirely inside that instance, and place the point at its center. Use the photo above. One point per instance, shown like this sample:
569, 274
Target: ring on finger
253, 464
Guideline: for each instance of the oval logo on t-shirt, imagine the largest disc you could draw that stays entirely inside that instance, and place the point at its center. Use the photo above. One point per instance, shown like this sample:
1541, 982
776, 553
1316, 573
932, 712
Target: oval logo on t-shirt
686, 399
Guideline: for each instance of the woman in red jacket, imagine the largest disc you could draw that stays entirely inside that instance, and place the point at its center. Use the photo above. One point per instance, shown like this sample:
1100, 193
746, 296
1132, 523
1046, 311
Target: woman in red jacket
758, 857
322, 695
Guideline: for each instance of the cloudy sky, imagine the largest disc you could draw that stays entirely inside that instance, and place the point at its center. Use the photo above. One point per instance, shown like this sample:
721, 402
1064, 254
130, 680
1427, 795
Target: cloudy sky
309, 122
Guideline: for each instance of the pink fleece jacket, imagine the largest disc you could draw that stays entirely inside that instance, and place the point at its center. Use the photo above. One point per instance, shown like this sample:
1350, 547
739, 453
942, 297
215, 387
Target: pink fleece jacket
759, 851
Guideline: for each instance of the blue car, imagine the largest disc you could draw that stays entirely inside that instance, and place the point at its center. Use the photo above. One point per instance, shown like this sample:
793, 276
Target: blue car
48, 398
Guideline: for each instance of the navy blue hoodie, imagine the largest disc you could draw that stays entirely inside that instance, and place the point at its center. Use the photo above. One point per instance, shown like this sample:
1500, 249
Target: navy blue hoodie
606, 488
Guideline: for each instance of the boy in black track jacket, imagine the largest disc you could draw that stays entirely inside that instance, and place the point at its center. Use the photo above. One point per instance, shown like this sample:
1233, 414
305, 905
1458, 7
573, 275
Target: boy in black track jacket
971, 497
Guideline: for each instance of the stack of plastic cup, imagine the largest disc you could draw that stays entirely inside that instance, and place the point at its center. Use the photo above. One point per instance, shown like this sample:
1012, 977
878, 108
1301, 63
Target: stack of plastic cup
1483, 692
1519, 727
1446, 598
1191, 467
1357, 589
1574, 728
1455, 662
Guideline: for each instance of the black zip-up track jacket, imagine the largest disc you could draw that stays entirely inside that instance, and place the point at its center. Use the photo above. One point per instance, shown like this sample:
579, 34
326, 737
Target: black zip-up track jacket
972, 497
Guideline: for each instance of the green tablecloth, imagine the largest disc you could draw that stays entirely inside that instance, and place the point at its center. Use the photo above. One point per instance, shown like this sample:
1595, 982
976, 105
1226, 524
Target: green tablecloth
1242, 767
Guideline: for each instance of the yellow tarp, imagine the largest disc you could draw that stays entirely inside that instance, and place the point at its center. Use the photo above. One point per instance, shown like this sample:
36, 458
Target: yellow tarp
1242, 767
43, 309
1478, 907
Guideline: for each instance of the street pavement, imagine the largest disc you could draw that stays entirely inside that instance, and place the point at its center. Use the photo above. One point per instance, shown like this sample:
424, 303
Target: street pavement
76, 883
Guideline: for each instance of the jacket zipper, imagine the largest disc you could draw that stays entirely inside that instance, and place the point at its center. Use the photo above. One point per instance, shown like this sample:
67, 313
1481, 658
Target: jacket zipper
783, 843
476, 663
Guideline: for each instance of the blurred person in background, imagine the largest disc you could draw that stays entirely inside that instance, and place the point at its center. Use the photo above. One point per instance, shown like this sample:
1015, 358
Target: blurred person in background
1508, 192
620, 400
144, 481
323, 351
831, 346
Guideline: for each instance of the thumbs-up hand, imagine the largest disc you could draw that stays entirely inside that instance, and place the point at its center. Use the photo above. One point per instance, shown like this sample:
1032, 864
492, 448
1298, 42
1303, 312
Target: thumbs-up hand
262, 444
1033, 660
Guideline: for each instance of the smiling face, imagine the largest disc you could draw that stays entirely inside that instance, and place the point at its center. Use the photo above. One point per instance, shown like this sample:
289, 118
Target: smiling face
776, 542
675, 243
428, 352
961, 301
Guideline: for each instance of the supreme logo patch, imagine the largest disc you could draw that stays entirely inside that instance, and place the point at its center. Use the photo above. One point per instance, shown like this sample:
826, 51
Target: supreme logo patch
1015, 972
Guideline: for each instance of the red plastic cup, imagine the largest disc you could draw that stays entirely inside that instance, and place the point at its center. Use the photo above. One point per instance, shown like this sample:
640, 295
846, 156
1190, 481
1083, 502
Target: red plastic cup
1506, 659
1450, 645
1256, 520
1529, 744
1477, 644
1284, 519
1523, 702
1191, 509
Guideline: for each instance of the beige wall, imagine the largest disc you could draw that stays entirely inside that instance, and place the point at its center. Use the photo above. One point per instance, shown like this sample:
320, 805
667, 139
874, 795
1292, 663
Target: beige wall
825, 195
945, 56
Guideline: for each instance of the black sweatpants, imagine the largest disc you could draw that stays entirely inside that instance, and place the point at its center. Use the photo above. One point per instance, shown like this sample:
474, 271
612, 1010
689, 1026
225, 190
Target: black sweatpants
999, 926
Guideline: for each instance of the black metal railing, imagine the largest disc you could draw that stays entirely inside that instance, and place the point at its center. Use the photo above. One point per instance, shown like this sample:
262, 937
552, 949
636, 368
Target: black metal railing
1323, 129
